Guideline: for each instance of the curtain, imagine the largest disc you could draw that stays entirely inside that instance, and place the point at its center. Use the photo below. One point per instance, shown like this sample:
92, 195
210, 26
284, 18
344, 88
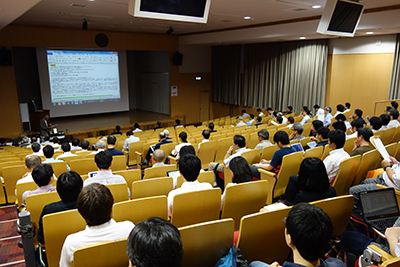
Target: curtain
394, 88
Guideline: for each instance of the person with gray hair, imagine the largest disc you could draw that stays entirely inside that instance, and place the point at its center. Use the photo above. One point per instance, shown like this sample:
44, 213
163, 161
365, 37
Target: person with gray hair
240, 122
263, 136
159, 157
163, 140
328, 116
101, 145
30, 163
297, 130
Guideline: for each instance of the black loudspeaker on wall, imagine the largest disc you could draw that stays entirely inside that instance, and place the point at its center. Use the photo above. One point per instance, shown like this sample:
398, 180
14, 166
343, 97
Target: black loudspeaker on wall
178, 57
101, 40
5, 57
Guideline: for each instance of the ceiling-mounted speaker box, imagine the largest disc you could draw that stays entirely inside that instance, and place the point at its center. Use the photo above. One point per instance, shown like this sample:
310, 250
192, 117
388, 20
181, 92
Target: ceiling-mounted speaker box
101, 40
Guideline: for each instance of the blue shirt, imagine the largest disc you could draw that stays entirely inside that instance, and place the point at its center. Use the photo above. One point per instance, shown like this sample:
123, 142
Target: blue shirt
327, 119
276, 161
250, 122
115, 152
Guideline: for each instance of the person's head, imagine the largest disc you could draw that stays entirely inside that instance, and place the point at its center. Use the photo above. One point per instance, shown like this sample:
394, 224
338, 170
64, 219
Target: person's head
162, 136
289, 109
136, 125
279, 119
111, 140
385, 119
48, 151
340, 108
258, 119
394, 104
56, 140
328, 110
340, 117
102, 133
211, 126
75, 141
183, 136
366, 133
243, 111
118, 128
95, 204
323, 133
358, 113
270, 110
155, 242
308, 229
178, 122
240, 170
339, 125
239, 140
34, 139
317, 124
312, 176
306, 111
159, 155
240, 118
316, 107
347, 105
356, 124
186, 150
290, 120
46, 138
297, 127
274, 113
129, 133
66, 147
252, 116
158, 124
206, 134
35, 147
103, 160
394, 114
166, 132
375, 123
387, 109
32, 161
101, 144
263, 134
84, 144
282, 138
259, 110
46, 117
69, 185
189, 167
336, 139
42, 174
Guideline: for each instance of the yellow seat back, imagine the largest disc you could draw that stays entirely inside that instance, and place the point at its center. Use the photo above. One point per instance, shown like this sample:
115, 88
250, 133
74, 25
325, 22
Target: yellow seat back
347, 172
152, 187
207, 153
269, 151
11, 175
222, 148
388, 136
160, 171
314, 152
133, 148
58, 168
83, 166
130, 175
118, 163
252, 156
204, 177
119, 192
349, 144
327, 150
369, 161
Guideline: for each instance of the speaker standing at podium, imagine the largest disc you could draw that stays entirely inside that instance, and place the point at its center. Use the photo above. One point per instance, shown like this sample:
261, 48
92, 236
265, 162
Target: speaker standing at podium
32, 104
45, 126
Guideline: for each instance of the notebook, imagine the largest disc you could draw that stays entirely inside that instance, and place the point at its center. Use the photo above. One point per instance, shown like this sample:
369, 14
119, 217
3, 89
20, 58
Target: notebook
298, 147
380, 208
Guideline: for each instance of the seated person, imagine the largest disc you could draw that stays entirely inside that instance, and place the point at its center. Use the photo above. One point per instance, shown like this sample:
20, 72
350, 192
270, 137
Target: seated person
159, 157
306, 115
130, 139
244, 114
387, 110
46, 141
211, 127
394, 104
75, 144
258, 120
162, 140
318, 110
117, 130
337, 155
241, 174
240, 122
339, 125
339, 110
321, 137
279, 119
263, 136
137, 128
352, 131
394, 115
375, 124
183, 142
357, 115
178, 123
259, 111
155, 242
297, 130
270, 111
95, 204
66, 148
328, 116
316, 124
290, 122
362, 145
84, 146
69, 185
102, 135
36, 149
310, 184
186, 150
347, 105
251, 121
308, 230
289, 110
341, 117
189, 168
281, 139
30, 163
111, 141
158, 125
48, 152
385, 121
206, 138
42, 174
101, 146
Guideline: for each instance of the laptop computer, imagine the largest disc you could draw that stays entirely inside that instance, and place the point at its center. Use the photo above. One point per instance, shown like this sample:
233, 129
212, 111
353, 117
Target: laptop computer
298, 147
172, 173
380, 208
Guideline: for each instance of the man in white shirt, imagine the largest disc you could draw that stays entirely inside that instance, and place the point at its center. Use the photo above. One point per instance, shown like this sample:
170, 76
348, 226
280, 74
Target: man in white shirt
189, 168
244, 114
260, 113
48, 152
339, 110
352, 131
347, 105
240, 122
159, 157
318, 110
394, 115
332, 162
95, 204
84, 146
206, 138
101, 145
137, 128
131, 138
75, 144
37, 150
67, 151
30, 163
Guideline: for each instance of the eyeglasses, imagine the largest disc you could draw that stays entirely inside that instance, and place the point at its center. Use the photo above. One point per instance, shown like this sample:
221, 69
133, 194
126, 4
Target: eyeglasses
284, 221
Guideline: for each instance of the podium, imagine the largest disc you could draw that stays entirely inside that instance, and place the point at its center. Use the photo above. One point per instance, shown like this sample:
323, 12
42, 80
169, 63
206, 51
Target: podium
35, 118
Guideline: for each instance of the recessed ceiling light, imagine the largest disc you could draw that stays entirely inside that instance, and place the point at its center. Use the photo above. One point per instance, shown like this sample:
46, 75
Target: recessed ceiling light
92, 0
247, 17
369, 33
302, 37
316, 6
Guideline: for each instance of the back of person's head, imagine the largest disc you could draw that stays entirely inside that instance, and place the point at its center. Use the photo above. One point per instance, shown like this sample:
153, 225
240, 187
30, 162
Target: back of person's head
159, 155
252, 116
339, 125
243, 111
56, 140
279, 119
310, 230
258, 109
48, 151
281, 136
366, 133
338, 137
183, 136
35, 147
290, 108
166, 132
129, 133
75, 141
269, 109
239, 140
178, 121
329, 109
263, 133
101, 144
240, 170
340, 108
186, 150
42, 174
84, 144
298, 127
347, 105
158, 123
394, 113
258, 119
274, 113
323, 131
306, 110
357, 124
162, 135
118, 128
111, 140
66, 147
358, 112
394, 104
69, 185
155, 242
376, 123
211, 126
317, 124
206, 134
189, 167
388, 108
33, 139
240, 118
46, 138
103, 160
316, 106
340, 117
312, 176
385, 119
136, 125
32, 161
291, 120
102, 133
95, 204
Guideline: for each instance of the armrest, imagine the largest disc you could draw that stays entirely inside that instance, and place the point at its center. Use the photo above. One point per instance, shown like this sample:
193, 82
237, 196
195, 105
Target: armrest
385, 256
138, 159
172, 160
379, 186
270, 177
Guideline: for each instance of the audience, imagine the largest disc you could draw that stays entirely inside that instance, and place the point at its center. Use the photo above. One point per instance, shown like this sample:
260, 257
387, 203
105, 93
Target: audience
111, 140
137, 128
178, 123
270, 111
251, 121
260, 113
211, 127
385, 121
318, 110
42, 174
357, 115
159, 157
263, 137
131, 138
30, 163
375, 123
66, 148
158, 123
394, 115
162, 140
84, 146
339, 125
347, 105
342, 117
101, 146
394, 104
183, 142
117, 130
362, 145
306, 115
258, 119
297, 130
75, 144
352, 131
321, 137
240, 122
102, 135
337, 155
328, 116
36, 148
244, 114
290, 122
339, 110
289, 110
316, 124
206, 138
48, 152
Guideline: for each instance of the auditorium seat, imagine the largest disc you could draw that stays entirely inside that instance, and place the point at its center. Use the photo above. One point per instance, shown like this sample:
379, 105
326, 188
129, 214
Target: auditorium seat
167, 148
207, 153
327, 150
133, 148
252, 156
253, 141
11, 175
71, 158
130, 175
119, 192
388, 136
204, 177
392, 148
314, 152
58, 168
151, 187
118, 163
159, 171
269, 151
222, 148
83, 166
349, 144
9, 164
347, 172
369, 161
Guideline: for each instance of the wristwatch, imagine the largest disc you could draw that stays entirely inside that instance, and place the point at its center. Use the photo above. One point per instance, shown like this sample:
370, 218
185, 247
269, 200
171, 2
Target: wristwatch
388, 166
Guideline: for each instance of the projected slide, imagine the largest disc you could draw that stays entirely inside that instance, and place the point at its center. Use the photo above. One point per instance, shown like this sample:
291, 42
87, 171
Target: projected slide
80, 77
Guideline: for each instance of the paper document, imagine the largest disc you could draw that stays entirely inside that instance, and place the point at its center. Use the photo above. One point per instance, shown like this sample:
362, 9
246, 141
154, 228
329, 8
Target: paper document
321, 117
377, 142
312, 144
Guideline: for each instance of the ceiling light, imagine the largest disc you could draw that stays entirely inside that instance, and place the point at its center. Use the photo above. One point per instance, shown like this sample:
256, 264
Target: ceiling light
302, 37
247, 17
369, 33
316, 6
170, 30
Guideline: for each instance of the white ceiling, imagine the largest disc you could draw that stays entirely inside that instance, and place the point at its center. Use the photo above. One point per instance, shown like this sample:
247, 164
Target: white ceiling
112, 15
